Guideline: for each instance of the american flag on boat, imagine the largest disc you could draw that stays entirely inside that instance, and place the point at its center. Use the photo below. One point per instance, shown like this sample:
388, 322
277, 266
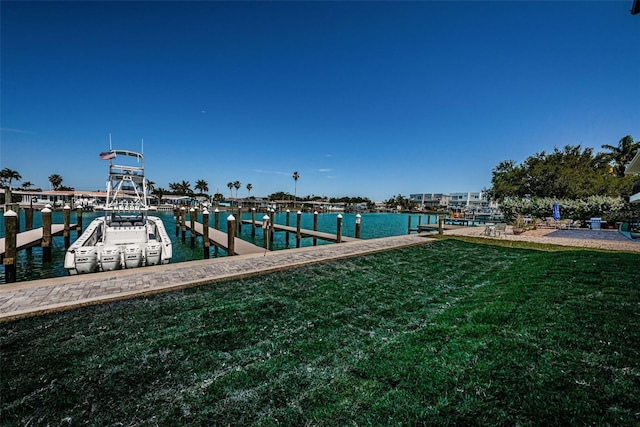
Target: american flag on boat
106, 155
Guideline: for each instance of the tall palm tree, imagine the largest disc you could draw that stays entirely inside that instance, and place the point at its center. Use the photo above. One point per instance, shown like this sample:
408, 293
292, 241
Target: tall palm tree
185, 188
55, 180
27, 185
296, 175
202, 186
249, 187
150, 186
622, 154
174, 187
9, 175
230, 185
236, 185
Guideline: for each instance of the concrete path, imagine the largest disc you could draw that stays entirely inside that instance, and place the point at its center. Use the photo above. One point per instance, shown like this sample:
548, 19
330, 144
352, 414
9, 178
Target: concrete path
47, 295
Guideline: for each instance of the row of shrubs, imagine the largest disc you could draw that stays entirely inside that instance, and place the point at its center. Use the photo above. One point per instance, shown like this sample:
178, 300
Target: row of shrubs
610, 209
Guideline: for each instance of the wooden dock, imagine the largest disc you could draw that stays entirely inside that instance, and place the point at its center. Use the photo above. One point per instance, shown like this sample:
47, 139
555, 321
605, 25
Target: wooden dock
220, 239
304, 232
31, 238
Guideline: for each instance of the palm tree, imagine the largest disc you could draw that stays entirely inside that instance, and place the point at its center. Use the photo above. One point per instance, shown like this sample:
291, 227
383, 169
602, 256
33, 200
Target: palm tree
295, 185
622, 154
159, 193
27, 185
230, 185
7, 174
150, 186
174, 187
185, 188
202, 186
55, 181
249, 187
236, 185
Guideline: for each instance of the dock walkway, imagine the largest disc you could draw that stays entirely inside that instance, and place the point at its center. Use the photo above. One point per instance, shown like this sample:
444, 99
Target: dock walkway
40, 296
31, 238
220, 239
304, 232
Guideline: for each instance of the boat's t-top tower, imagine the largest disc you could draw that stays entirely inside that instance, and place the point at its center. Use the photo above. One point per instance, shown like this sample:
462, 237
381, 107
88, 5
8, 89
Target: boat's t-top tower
126, 185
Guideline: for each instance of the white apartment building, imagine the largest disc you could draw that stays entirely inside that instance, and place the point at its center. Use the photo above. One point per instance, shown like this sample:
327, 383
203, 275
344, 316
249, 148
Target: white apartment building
469, 201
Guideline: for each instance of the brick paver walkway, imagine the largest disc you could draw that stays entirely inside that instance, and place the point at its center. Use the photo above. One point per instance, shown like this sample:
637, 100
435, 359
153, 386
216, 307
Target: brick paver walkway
39, 296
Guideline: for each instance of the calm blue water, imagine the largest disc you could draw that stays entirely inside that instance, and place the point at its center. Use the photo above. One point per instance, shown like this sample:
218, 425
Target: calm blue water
31, 267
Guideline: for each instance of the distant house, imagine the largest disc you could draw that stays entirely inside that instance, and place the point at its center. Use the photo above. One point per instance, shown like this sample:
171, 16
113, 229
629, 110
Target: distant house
634, 168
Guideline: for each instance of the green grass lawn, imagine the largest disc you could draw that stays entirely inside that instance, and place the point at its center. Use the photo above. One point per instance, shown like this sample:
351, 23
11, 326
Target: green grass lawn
451, 332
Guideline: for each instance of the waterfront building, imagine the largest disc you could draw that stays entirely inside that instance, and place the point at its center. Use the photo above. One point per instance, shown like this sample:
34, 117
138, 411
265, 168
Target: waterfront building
430, 201
471, 201
464, 202
634, 168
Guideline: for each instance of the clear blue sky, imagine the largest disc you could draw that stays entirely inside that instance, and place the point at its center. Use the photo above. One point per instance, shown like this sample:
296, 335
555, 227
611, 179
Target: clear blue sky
361, 98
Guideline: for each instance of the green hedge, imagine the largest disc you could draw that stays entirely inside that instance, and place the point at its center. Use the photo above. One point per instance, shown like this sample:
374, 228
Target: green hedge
611, 209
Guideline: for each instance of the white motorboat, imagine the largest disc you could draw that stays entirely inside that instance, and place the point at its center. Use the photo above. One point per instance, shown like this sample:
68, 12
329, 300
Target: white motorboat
126, 236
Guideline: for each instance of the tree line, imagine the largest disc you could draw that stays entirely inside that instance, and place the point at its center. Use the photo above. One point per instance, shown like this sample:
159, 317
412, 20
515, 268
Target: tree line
583, 182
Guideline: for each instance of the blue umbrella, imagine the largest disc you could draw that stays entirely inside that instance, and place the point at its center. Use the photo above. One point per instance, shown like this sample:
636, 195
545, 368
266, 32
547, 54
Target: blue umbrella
556, 211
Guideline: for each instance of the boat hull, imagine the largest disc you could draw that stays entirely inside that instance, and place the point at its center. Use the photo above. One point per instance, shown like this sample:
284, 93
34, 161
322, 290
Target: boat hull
106, 246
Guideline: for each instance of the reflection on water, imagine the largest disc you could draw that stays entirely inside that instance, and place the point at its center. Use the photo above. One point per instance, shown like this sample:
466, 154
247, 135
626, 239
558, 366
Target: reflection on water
31, 267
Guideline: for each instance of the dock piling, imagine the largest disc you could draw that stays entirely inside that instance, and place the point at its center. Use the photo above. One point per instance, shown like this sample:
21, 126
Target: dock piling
298, 224
192, 233
206, 243
78, 221
176, 213
11, 233
265, 232
231, 233
216, 219
46, 234
358, 218
183, 223
315, 226
339, 229
66, 215
253, 222
287, 233
272, 222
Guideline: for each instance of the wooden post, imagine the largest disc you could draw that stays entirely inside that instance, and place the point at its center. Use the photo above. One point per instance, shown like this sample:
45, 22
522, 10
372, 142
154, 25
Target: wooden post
287, 223
272, 222
315, 226
78, 220
66, 215
10, 242
231, 233
46, 234
409, 227
440, 225
176, 212
265, 232
298, 223
28, 219
183, 222
206, 243
253, 222
192, 231
239, 222
216, 219
358, 218
339, 229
